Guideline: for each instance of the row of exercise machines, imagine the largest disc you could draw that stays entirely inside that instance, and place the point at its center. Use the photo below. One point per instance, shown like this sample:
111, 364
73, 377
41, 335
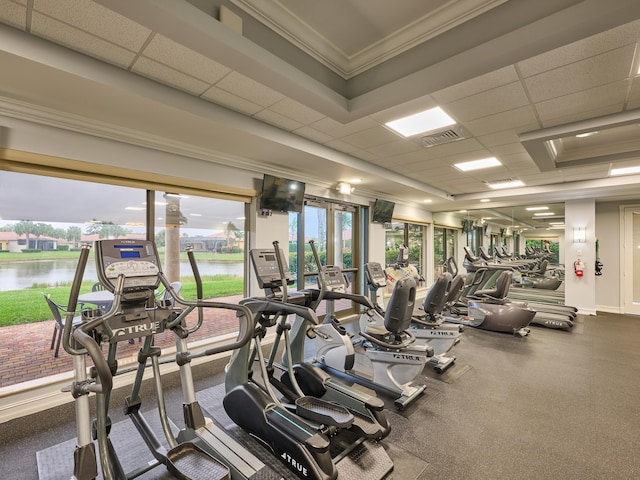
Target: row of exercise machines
532, 280
317, 426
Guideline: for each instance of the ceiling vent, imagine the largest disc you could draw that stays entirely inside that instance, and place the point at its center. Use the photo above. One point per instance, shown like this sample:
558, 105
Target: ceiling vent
440, 137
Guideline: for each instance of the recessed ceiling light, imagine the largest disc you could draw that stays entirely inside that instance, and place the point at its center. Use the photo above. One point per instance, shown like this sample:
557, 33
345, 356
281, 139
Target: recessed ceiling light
558, 224
485, 200
421, 122
478, 164
462, 211
625, 170
508, 184
135, 208
427, 200
543, 214
195, 214
533, 209
355, 180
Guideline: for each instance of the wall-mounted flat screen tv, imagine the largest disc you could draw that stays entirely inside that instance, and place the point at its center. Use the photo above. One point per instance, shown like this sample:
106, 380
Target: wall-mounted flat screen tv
382, 211
281, 194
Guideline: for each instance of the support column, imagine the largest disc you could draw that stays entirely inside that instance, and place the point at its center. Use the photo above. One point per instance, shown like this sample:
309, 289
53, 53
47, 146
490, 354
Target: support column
580, 292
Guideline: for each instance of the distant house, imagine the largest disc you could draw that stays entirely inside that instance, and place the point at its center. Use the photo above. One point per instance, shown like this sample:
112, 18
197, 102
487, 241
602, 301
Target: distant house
219, 242
12, 242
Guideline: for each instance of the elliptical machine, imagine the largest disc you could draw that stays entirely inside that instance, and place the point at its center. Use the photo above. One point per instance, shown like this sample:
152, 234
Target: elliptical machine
131, 270
428, 327
320, 429
396, 360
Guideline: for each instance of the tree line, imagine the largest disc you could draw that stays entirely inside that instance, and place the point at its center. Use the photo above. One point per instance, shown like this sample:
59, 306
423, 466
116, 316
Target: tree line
72, 234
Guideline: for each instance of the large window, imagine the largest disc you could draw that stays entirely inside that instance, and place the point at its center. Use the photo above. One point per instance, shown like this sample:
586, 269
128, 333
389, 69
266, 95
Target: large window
445, 245
410, 234
43, 221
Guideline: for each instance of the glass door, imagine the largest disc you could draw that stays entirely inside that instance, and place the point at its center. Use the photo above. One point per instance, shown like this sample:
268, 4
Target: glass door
330, 226
630, 267
444, 247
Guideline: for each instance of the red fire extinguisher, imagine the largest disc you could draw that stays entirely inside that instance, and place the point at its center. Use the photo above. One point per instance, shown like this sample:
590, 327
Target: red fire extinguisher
578, 266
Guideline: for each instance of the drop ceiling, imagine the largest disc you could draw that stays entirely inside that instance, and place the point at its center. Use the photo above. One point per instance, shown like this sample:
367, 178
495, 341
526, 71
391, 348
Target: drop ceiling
304, 88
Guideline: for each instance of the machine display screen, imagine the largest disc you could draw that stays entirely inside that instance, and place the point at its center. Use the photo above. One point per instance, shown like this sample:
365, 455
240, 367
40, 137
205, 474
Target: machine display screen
270, 258
129, 254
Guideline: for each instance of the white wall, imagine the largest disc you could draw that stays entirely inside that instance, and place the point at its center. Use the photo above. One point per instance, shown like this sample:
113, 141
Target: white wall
580, 291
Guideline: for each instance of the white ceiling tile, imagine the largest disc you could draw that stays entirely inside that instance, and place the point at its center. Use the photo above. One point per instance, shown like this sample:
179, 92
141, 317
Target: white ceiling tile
522, 118
163, 74
418, 156
520, 171
245, 87
226, 99
474, 86
498, 138
13, 14
341, 146
507, 97
185, 60
508, 149
613, 94
395, 148
79, 40
21, 2
277, 120
313, 134
371, 137
96, 20
518, 160
370, 157
574, 52
295, 110
602, 69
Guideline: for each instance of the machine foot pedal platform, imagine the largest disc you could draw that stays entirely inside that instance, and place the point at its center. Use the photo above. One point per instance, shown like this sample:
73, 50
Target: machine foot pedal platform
366, 425
321, 411
368, 460
186, 461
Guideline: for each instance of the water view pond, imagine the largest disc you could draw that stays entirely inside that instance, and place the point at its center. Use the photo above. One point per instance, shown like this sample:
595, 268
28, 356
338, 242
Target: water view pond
18, 276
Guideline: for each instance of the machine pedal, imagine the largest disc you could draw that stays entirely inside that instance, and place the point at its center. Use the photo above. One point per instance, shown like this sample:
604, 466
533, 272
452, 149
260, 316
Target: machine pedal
188, 462
326, 413
368, 460
365, 425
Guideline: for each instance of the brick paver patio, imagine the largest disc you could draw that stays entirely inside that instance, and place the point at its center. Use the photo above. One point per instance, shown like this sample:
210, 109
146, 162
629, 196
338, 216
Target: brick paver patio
25, 353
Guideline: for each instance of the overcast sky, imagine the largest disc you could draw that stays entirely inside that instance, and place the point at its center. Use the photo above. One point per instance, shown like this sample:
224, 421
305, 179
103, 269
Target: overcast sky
64, 202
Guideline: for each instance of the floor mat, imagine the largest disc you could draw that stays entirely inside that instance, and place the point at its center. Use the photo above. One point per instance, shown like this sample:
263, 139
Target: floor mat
56, 462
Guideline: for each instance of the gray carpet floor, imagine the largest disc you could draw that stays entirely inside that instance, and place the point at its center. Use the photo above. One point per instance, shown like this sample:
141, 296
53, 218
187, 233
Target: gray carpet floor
555, 405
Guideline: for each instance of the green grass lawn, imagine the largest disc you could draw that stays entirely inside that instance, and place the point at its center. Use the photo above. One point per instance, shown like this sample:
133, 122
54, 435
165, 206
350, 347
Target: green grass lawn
28, 306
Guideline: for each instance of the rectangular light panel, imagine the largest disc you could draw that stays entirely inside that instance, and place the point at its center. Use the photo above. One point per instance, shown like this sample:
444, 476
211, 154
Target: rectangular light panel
478, 164
422, 122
